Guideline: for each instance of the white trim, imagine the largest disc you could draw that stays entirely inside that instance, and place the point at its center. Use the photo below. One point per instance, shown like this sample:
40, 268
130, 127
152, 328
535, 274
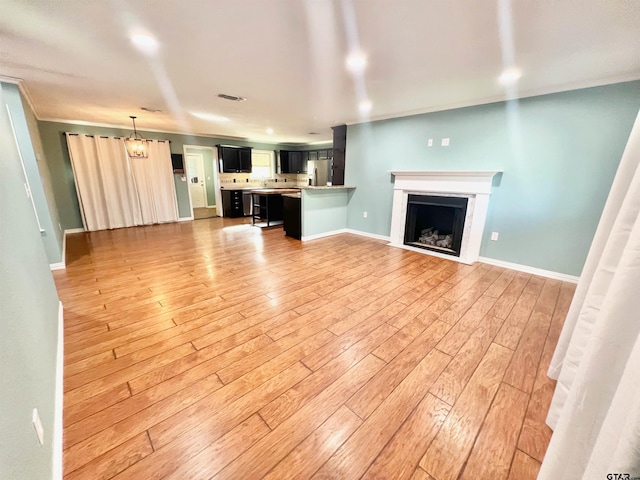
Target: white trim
216, 179
59, 399
322, 235
63, 263
538, 92
375, 236
527, 269
475, 185
185, 219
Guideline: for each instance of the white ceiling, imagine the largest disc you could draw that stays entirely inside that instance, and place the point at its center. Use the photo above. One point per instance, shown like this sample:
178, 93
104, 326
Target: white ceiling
287, 57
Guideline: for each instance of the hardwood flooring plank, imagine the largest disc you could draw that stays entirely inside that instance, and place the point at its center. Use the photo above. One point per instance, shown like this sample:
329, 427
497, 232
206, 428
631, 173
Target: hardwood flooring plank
462, 330
313, 451
273, 447
369, 397
507, 300
495, 446
293, 399
524, 467
114, 461
354, 457
452, 381
448, 452
401, 455
81, 453
86, 408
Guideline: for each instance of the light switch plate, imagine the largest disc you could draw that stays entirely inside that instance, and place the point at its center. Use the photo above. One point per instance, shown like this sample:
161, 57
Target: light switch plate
494, 236
445, 142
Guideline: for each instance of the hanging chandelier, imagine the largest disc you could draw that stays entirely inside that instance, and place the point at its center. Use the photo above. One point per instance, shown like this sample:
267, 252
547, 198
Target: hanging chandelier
135, 144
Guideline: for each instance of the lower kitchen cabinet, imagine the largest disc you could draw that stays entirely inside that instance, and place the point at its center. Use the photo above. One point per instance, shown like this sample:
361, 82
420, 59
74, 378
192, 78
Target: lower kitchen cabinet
232, 203
292, 216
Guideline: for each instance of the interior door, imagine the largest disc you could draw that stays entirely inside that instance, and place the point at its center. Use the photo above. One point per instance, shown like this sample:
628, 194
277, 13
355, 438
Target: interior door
195, 177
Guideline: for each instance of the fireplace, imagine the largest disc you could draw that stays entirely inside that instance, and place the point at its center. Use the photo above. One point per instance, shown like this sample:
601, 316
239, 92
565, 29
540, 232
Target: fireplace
462, 199
435, 223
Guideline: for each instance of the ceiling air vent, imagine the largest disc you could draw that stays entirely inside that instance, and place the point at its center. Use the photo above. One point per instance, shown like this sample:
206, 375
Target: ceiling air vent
233, 98
313, 133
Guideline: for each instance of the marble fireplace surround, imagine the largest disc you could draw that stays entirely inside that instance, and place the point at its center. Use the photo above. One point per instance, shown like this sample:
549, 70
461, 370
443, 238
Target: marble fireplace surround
474, 185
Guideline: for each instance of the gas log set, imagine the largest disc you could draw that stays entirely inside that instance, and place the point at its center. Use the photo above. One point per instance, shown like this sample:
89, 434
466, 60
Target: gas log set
432, 237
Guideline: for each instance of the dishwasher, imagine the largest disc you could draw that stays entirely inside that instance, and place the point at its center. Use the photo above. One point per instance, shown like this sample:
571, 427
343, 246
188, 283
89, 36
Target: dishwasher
247, 203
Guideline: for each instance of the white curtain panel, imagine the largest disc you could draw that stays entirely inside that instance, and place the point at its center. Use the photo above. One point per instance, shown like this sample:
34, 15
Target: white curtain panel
115, 191
595, 411
154, 181
104, 184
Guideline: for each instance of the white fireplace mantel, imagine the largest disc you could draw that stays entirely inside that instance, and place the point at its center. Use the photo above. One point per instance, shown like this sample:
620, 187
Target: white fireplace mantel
472, 184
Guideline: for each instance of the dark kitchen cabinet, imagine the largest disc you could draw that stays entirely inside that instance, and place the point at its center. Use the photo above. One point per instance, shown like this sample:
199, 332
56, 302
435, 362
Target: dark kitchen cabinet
234, 159
339, 150
293, 162
232, 203
291, 214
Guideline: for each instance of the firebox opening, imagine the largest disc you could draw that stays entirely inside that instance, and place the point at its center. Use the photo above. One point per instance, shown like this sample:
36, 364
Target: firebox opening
435, 223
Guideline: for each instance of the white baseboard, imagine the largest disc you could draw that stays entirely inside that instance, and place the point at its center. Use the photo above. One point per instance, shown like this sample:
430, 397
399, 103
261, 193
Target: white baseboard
346, 230
185, 219
63, 264
386, 238
533, 270
59, 398
322, 235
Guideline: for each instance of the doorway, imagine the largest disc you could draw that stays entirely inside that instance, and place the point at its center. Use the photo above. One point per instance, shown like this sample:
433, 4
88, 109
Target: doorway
202, 180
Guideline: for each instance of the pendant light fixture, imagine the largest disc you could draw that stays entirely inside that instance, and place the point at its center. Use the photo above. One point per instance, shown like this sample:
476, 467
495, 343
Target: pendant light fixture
136, 145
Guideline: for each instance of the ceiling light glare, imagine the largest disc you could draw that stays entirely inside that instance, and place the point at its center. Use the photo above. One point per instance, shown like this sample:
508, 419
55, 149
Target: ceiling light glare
210, 117
145, 43
269, 131
356, 62
365, 106
510, 76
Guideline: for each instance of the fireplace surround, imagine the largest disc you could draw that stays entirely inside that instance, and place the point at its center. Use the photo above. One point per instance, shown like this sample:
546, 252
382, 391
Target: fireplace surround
474, 186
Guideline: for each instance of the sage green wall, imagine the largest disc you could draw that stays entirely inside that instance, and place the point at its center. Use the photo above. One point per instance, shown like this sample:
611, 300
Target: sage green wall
207, 157
324, 211
55, 147
559, 154
28, 322
182, 193
47, 214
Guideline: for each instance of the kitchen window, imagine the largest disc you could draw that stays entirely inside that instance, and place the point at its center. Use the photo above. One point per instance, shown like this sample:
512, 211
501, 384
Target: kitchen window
262, 164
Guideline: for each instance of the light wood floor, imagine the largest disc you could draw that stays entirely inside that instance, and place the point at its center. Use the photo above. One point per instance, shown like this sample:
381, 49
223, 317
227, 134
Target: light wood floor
213, 349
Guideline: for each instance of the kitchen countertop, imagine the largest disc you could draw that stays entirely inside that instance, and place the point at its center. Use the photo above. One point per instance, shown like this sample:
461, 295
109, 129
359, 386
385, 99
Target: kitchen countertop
257, 188
275, 191
292, 195
328, 187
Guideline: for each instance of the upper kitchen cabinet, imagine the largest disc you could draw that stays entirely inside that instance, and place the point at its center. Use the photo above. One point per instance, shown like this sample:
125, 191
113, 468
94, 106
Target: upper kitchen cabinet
293, 161
234, 159
339, 150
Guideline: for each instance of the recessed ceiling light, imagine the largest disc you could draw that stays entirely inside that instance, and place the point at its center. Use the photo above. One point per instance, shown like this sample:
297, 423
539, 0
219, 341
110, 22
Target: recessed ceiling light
365, 106
510, 76
145, 43
356, 62
210, 117
269, 131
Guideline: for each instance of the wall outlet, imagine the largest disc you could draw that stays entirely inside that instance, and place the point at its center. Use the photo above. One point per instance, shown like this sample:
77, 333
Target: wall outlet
494, 236
445, 142
364, 214
37, 424
430, 142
